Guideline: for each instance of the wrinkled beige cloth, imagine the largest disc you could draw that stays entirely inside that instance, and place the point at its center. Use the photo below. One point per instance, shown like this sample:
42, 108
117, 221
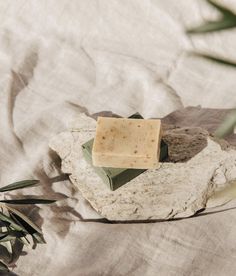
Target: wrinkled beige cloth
59, 58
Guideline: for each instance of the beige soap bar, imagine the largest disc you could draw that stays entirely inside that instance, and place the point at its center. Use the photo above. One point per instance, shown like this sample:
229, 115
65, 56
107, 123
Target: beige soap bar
126, 143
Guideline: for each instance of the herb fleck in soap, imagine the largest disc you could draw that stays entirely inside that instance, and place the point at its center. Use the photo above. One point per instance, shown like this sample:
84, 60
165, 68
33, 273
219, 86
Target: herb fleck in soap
127, 143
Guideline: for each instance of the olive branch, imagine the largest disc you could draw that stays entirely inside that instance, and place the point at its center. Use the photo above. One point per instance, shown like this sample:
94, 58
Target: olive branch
226, 20
15, 227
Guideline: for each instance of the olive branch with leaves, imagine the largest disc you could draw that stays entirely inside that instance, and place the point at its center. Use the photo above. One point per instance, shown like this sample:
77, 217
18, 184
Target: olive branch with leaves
227, 20
15, 227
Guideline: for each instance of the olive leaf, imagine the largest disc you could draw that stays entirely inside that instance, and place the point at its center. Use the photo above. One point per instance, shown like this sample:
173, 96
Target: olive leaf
7, 244
214, 58
11, 222
28, 201
3, 234
11, 235
227, 20
19, 185
220, 8
38, 238
227, 126
15, 227
3, 267
212, 26
27, 224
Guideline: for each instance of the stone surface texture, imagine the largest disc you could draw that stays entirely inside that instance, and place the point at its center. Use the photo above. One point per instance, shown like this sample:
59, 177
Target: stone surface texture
177, 189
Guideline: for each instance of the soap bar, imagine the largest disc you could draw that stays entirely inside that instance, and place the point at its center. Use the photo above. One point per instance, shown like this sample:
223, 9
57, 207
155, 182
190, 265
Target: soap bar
116, 177
127, 143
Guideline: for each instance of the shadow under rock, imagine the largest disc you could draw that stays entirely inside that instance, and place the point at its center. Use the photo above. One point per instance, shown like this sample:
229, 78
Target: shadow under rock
199, 213
10, 273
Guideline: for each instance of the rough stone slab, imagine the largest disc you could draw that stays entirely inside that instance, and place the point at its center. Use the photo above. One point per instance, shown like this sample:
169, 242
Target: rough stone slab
174, 190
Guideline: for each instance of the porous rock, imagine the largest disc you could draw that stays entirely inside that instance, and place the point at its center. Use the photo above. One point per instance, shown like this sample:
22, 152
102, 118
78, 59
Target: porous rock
175, 190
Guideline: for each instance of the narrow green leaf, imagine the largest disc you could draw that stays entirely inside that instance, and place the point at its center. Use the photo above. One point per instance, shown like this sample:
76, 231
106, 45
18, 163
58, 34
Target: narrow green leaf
3, 267
22, 221
220, 8
38, 238
7, 238
227, 126
8, 245
3, 234
28, 201
5, 253
19, 185
24, 241
11, 222
25, 222
11, 235
227, 22
215, 59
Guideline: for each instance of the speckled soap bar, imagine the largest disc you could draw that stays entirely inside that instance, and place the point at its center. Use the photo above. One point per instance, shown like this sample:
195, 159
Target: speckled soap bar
127, 143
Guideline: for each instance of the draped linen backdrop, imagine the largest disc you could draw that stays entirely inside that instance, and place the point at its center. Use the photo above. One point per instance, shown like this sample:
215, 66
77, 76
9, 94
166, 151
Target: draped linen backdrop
59, 58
